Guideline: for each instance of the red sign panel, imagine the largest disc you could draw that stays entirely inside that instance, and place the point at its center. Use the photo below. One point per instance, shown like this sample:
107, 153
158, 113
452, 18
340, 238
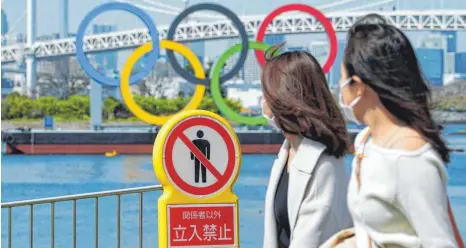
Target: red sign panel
202, 225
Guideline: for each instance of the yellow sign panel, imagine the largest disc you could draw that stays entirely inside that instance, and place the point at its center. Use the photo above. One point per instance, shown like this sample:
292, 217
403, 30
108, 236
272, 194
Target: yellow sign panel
197, 157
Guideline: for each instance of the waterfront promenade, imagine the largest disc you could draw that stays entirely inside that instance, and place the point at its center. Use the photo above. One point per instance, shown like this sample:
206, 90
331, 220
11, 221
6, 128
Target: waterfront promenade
30, 177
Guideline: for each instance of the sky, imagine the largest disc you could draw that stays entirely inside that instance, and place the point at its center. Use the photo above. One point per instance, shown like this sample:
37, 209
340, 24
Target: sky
48, 16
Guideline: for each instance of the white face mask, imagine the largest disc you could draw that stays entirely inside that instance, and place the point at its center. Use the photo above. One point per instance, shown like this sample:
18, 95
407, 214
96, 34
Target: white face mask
271, 121
348, 110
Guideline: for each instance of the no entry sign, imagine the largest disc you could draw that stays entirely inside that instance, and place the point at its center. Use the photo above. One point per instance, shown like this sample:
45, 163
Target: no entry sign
200, 156
206, 225
197, 157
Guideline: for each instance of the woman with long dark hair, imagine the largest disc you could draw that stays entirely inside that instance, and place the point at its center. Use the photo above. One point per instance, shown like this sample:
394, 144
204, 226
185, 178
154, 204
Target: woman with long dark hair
306, 197
397, 193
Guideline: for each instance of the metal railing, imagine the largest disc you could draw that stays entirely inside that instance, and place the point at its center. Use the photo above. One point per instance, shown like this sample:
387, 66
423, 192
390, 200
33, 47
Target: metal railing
74, 198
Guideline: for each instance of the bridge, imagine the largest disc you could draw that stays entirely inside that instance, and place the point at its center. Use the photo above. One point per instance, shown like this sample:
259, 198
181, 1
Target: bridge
286, 24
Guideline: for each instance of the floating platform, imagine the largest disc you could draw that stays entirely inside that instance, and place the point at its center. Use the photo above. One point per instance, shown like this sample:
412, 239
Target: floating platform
73, 142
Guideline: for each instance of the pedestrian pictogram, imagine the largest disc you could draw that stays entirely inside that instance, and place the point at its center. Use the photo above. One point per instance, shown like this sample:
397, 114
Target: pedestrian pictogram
203, 146
197, 158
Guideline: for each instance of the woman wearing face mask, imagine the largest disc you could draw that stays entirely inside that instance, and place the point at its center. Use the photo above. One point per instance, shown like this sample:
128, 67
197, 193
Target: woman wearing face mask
306, 197
397, 193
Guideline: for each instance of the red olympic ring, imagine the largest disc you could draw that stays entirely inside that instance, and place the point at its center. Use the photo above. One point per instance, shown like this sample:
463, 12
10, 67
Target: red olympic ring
307, 9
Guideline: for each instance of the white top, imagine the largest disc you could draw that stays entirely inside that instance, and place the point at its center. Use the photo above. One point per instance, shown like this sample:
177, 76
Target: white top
317, 202
402, 201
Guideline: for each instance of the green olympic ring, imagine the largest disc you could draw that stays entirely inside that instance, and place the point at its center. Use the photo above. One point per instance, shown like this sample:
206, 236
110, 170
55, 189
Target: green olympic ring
222, 105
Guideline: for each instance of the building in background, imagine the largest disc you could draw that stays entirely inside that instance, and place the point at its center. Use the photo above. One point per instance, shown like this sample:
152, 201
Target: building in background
15, 79
234, 58
53, 36
184, 88
7, 85
431, 63
198, 48
4, 23
296, 48
335, 72
50, 66
107, 62
20, 38
248, 93
460, 64
451, 39
251, 70
246, 85
63, 11
274, 39
449, 64
446, 41
4, 27
320, 51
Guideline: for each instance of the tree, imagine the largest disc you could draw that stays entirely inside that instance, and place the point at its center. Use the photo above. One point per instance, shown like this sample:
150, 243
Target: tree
69, 79
62, 86
48, 85
78, 83
207, 70
157, 82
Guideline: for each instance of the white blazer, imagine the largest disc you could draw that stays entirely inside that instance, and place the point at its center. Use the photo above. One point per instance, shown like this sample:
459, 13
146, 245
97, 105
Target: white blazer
317, 196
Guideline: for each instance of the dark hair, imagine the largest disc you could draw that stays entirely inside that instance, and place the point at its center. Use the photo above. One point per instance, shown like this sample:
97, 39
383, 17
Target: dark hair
371, 19
297, 92
382, 56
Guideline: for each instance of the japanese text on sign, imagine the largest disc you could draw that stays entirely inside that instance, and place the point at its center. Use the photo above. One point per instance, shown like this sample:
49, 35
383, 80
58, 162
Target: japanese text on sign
206, 233
201, 215
200, 225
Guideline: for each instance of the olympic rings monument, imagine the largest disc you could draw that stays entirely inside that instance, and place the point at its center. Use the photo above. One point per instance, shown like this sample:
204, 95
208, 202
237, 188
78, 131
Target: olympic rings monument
186, 202
152, 51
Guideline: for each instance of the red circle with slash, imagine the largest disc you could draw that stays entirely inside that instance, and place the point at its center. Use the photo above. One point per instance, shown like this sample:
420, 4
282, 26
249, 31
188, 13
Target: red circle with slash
178, 133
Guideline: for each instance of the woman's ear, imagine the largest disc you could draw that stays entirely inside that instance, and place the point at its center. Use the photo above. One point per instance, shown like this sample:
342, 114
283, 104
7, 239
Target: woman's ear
360, 86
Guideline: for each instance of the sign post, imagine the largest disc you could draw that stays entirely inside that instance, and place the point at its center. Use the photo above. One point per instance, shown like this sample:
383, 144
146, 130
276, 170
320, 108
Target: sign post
197, 157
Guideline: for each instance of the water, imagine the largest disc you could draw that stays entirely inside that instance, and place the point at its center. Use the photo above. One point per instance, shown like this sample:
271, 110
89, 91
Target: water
30, 177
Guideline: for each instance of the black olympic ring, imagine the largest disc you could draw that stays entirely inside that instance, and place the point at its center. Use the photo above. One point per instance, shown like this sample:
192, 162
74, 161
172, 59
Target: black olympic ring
236, 22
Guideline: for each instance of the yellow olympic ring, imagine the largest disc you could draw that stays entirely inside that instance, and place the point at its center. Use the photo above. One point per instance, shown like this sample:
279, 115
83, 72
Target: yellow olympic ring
128, 67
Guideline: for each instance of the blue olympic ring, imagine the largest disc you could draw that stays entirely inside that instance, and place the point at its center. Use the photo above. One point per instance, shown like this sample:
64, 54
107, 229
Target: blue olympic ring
90, 70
